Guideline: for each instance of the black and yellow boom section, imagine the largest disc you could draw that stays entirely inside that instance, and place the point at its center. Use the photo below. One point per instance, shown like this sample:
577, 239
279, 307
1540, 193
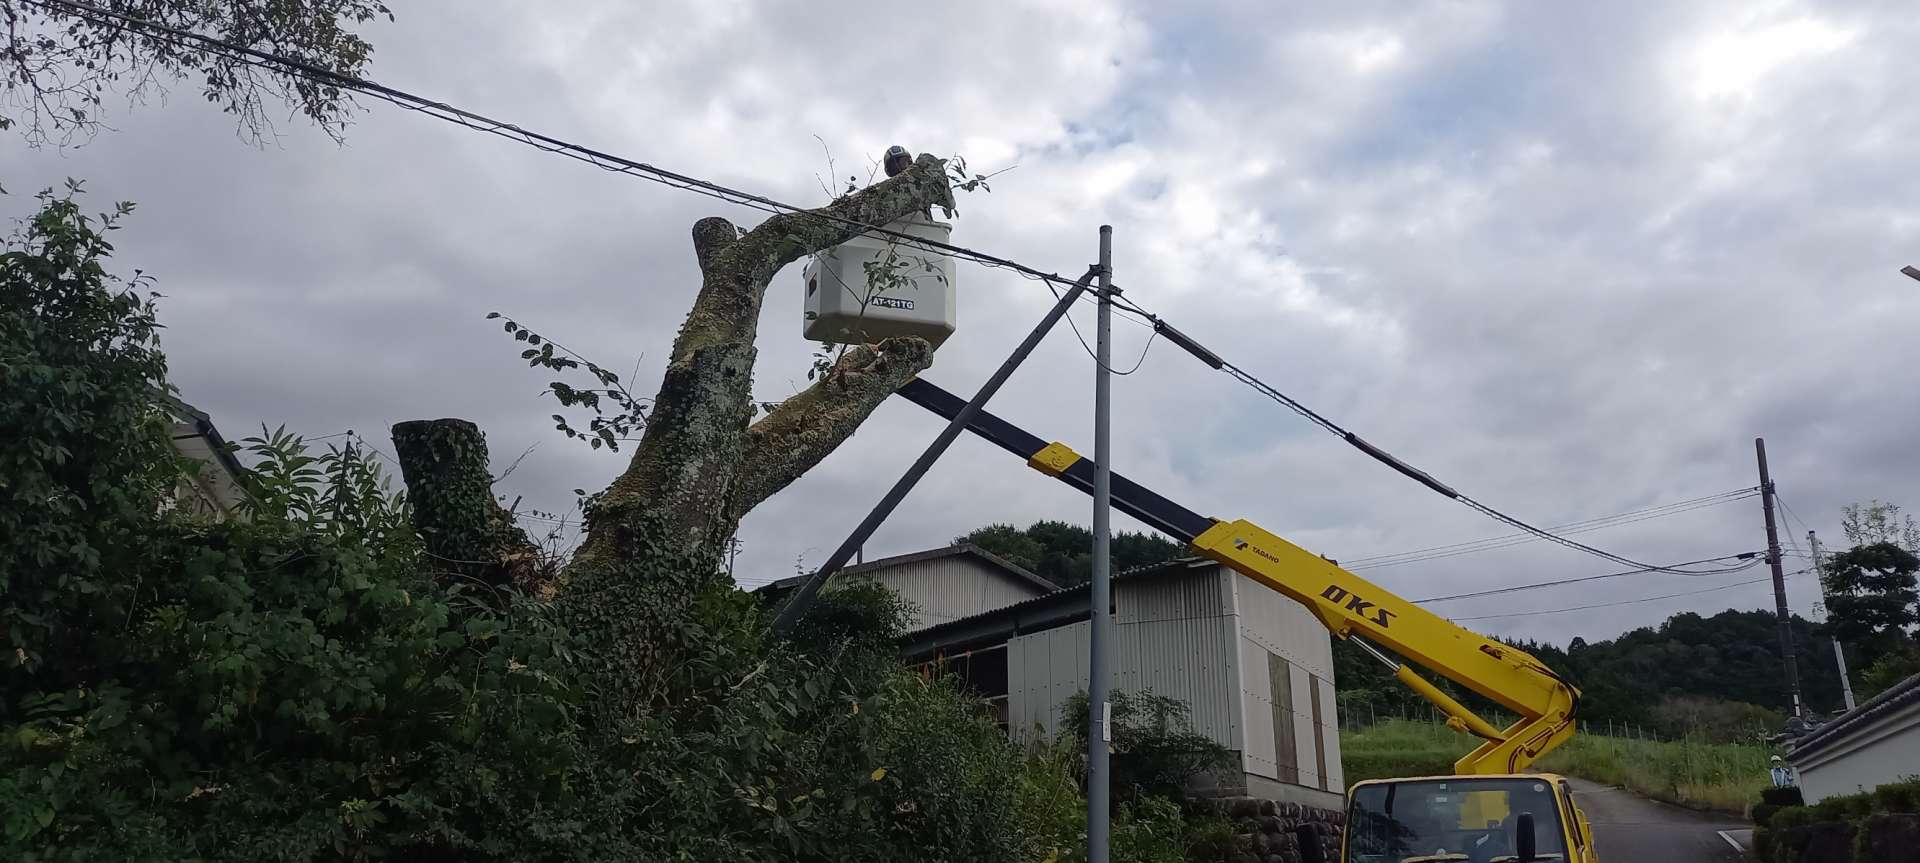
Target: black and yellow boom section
1349, 606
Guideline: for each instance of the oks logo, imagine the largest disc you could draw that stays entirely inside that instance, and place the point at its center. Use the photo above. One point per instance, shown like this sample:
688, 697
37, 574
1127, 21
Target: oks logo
1363, 608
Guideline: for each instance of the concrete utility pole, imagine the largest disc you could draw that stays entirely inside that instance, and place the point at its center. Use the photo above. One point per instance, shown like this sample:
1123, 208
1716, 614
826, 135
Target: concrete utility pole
1099, 711
1839, 656
1779, 580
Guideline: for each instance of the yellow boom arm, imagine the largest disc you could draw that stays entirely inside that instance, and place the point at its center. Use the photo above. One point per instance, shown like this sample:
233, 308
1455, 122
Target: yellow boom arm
1346, 604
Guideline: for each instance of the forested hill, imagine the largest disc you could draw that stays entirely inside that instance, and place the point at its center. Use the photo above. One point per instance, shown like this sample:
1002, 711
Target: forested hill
1727, 664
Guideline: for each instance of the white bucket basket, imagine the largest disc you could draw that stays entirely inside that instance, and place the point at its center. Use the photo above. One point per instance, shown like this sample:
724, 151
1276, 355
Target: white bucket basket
842, 308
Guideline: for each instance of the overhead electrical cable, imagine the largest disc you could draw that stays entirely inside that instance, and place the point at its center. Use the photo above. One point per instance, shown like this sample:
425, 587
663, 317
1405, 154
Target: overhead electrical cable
1624, 601
189, 40
1753, 558
1521, 538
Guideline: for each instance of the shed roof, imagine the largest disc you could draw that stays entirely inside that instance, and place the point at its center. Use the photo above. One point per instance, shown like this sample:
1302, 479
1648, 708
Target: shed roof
968, 549
1060, 607
1897, 696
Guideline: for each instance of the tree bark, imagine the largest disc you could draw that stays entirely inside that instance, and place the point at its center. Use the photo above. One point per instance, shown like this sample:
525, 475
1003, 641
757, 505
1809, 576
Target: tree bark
654, 539
808, 427
466, 533
679, 486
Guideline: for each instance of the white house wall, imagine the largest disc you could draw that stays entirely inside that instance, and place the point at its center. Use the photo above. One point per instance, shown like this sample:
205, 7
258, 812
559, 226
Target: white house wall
952, 587
1884, 750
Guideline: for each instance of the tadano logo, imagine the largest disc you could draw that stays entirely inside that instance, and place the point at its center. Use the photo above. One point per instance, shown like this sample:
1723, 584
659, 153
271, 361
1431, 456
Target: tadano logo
1242, 545
1361, 608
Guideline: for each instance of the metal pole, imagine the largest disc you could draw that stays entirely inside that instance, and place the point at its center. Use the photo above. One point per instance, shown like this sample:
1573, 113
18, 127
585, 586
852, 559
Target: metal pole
803, 598
1839, 656
1779, 580
1099, 711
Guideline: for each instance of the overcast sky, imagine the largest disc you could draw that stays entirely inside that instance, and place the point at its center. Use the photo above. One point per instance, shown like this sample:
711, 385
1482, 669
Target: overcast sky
1571, 259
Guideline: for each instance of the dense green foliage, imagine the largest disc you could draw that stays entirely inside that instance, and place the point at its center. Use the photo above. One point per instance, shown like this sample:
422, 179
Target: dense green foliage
305, 683
86, 451
1878, 826
1154, 751
1652, 677
60, 63
1063, 553
1870, 592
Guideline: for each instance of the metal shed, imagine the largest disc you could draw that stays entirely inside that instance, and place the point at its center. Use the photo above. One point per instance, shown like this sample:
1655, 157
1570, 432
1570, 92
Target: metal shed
1255, 670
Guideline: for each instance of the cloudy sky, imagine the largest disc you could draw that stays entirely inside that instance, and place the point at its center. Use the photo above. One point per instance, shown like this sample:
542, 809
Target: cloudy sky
1569, 260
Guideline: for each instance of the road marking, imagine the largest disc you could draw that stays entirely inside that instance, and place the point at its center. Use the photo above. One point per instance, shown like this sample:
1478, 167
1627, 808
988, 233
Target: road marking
1732, 841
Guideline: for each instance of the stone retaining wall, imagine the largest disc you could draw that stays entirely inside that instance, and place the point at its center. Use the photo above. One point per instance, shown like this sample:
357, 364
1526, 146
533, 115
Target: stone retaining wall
1269, 829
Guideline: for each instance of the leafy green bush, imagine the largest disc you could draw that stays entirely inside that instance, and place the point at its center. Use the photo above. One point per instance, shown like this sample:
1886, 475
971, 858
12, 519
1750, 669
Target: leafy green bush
306, 684
1154, 751
1788, 795
1839, 827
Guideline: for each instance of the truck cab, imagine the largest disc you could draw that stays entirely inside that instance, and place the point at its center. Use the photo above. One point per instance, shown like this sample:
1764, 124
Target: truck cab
1500, 818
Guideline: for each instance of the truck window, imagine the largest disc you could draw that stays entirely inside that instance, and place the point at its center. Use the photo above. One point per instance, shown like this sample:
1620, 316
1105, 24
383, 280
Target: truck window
1469, 820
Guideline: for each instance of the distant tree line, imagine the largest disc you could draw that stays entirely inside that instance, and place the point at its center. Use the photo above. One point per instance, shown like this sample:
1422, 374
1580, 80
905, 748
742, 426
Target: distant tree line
1063, 553
1717, 676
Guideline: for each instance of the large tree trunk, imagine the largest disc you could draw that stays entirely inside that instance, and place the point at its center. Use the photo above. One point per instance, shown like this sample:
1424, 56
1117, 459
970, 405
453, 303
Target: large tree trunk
681, 482
653, 540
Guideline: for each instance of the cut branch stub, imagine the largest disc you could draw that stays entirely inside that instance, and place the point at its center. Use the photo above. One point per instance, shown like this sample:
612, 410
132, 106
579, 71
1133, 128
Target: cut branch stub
465, 531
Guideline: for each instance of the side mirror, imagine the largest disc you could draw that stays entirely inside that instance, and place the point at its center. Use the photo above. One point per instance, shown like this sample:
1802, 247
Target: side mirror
1308, 838
1523, 838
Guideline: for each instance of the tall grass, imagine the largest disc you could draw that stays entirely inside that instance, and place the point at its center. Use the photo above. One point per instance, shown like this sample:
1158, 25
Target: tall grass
1726, 777
1719, 776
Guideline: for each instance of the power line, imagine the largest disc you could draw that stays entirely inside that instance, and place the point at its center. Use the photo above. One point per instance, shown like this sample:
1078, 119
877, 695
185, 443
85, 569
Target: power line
189, 40
1753, 557
1428, 480
1623, 601
1512, 539
289, 66
1089, 348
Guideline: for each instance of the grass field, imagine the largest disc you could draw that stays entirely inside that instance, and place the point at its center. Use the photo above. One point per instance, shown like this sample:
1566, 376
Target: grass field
1719, 776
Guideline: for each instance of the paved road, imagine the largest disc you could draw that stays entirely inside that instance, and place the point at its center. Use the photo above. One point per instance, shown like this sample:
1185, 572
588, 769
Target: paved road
1630, 829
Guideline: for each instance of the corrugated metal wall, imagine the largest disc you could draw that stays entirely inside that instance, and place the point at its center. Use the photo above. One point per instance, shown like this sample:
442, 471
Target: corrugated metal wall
953, 587
1252, 665
1171, 637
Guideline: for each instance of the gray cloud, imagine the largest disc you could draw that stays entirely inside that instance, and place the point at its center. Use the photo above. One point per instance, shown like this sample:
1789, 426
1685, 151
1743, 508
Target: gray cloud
1572, 261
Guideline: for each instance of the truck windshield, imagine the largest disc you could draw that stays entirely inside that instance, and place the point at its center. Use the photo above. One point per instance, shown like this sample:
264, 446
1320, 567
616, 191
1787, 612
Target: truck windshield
1472, 820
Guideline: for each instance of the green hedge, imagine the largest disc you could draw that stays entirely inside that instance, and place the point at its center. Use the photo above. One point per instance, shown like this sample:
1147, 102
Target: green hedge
1854, 828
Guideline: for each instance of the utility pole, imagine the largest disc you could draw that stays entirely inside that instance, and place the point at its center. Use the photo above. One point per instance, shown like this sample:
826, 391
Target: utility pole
1099, 711
1779, 580
1839, 656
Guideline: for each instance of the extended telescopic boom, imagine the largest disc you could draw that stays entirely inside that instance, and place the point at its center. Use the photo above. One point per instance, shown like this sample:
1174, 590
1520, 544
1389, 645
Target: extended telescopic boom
1349, 606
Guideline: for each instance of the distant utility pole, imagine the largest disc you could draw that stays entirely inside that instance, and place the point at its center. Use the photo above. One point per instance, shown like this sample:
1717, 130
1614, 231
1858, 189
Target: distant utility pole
1779, 580
1839, 656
